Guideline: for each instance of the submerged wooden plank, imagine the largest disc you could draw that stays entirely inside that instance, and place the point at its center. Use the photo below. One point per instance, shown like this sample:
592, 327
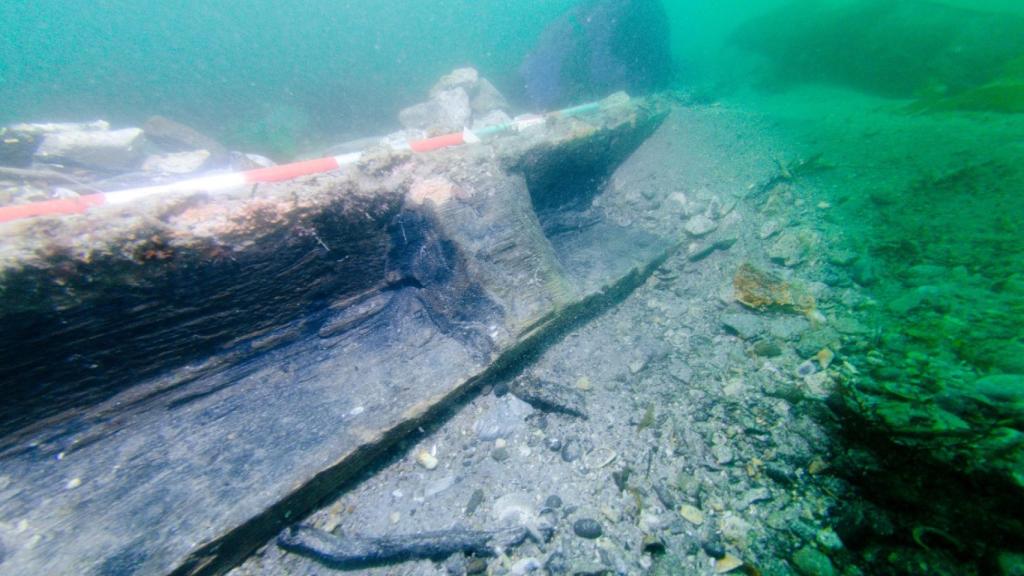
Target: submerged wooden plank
271, 383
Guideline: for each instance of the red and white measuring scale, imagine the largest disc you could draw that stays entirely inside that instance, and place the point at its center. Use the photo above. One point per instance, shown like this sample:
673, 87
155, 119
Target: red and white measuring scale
233, 180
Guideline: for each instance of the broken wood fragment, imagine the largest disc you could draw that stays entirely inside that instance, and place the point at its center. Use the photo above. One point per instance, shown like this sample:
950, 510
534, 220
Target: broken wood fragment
360, 551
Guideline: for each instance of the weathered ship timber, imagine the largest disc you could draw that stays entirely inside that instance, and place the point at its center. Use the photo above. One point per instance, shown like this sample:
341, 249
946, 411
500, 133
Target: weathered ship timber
185, 378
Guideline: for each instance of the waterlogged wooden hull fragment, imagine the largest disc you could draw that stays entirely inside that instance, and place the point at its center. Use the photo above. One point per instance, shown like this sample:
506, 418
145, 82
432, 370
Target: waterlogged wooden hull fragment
189, 377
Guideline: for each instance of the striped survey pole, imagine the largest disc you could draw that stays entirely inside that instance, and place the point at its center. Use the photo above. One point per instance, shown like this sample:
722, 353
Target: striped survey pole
213, 183
233, 180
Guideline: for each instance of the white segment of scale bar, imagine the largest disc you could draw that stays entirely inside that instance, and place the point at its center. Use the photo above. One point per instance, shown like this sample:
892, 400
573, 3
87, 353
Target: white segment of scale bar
213, 183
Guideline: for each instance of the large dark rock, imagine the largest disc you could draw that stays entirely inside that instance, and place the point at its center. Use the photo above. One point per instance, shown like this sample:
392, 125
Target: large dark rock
596, 48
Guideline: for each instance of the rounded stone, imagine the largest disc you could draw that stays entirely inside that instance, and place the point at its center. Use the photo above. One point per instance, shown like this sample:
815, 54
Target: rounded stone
587, 528
548, 517
767, 349
779, 473
713, 547
476, 566
829, 540
809, 562
553, 501
692, 514
557, 563
571, 450
500, 454
700, 225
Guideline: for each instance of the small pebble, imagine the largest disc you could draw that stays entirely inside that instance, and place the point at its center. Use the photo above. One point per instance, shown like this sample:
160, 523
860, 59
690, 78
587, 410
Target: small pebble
753, 495
722, 453
665, 496
802, 529
769, 229
553, 501
476, 566
691, 514
824, 357
394, 517
613, 515
73, 483
650, 522
621, 478
455, 565
734, 528
806, 368
809, 562
767, 349
571, 450
700, 225
499, 454
780, 473
713, 547
727, 563
475, 499
553, 444
500, 389
817, 466
677, 527
829, 540
548, 517
426, 459
525, 566
556, 564
500, 443
587, 528
688, 484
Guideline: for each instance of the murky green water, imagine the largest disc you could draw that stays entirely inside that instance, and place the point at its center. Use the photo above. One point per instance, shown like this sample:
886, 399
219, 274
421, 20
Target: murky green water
255, 72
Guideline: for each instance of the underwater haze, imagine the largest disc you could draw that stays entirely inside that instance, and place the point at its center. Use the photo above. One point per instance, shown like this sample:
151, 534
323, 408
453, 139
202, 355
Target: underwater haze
826, 369
266, 75
253, 72
285, 79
